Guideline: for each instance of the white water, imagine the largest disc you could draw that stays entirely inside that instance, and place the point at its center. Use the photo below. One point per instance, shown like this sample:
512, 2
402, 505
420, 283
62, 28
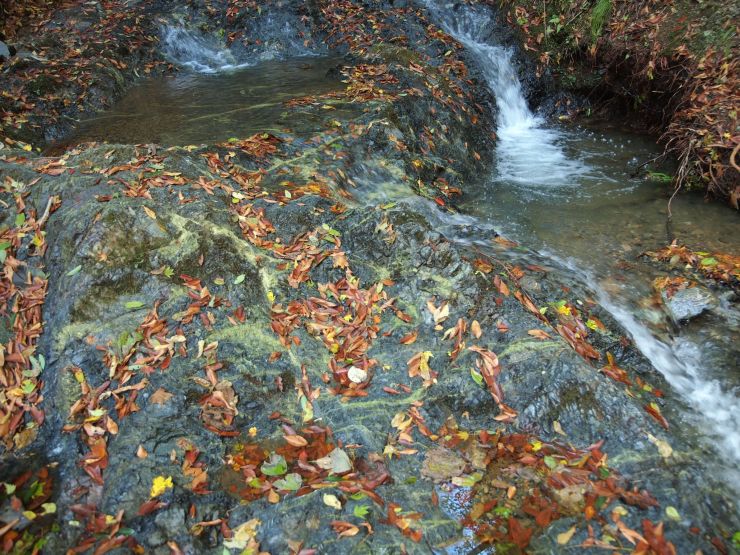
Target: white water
528, 153
206, 54
530, 156
680, 362
199, 53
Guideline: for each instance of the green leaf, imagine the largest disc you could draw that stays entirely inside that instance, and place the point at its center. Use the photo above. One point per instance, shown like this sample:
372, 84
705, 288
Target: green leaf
134, 304
330, 230
275, 466
672, 513
477, 377
358, 496
27, 386
550, 462
291, 482
75, 270
168, 272
360, 511
239, 279
20, 219
710, 261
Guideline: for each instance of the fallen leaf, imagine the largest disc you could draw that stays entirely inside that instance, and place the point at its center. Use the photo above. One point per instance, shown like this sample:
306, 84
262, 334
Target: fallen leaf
337, 462
332, 501
160, 397
566, 536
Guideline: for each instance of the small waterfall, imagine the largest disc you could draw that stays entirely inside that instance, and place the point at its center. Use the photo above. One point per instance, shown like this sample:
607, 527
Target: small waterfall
528, 153
198, 52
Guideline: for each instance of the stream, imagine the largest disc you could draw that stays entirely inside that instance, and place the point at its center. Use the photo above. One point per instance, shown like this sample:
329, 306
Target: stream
567, 193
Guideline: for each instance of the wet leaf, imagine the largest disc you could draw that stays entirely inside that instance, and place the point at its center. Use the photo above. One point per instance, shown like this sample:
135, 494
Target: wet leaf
74, 271
296, 440
361, 511
291, 482
239, 279
132, 305
550, 462
160, 484
160, 397
332, 501
243, 537
275, 466
356, 375
565, 537
337, 462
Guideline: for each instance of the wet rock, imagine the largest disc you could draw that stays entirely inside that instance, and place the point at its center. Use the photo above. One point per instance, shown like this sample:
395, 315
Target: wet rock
171, 521
686, 304
4, 51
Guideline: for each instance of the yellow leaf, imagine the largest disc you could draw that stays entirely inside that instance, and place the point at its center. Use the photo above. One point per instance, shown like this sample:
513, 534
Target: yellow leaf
150, 213
160, 484
566, 536
332, 501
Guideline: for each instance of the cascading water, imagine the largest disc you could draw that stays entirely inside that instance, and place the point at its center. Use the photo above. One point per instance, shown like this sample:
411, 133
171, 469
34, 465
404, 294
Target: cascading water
205, 53
198, 52
527, 197
528, 153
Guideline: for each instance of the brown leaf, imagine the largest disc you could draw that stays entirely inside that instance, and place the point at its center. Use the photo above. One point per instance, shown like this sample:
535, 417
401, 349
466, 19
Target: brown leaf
160, 397
296, 440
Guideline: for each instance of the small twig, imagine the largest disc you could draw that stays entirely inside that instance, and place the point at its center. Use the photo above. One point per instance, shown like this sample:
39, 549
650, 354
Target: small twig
654, 159
47, 211
733, 155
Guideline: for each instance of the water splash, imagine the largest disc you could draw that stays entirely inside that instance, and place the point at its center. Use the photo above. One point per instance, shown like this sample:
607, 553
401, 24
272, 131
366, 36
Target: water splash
198, 52
528, 153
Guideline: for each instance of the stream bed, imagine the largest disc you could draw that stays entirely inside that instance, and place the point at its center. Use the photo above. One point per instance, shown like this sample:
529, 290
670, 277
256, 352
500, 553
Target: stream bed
567, 195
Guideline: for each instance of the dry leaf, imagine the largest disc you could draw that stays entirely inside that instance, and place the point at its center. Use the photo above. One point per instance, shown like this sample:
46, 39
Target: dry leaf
160, 397
332, 501
566, 536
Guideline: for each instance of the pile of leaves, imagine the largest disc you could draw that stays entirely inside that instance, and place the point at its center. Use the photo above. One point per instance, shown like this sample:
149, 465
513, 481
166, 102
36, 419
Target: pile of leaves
26, 514
721, 267
23, 288
674, 61
303, 461
519, 485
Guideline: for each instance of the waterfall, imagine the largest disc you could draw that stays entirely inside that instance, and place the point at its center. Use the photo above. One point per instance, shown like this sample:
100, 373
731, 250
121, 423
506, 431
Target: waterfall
198, 52
528, 152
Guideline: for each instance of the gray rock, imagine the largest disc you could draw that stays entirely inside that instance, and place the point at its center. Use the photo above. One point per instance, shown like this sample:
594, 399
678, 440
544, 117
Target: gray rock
171, 521
4, 50
687, 304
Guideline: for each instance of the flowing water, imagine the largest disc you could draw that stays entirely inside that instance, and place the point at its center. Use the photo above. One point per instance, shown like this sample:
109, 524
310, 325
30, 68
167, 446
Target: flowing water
569, 194
220, 97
